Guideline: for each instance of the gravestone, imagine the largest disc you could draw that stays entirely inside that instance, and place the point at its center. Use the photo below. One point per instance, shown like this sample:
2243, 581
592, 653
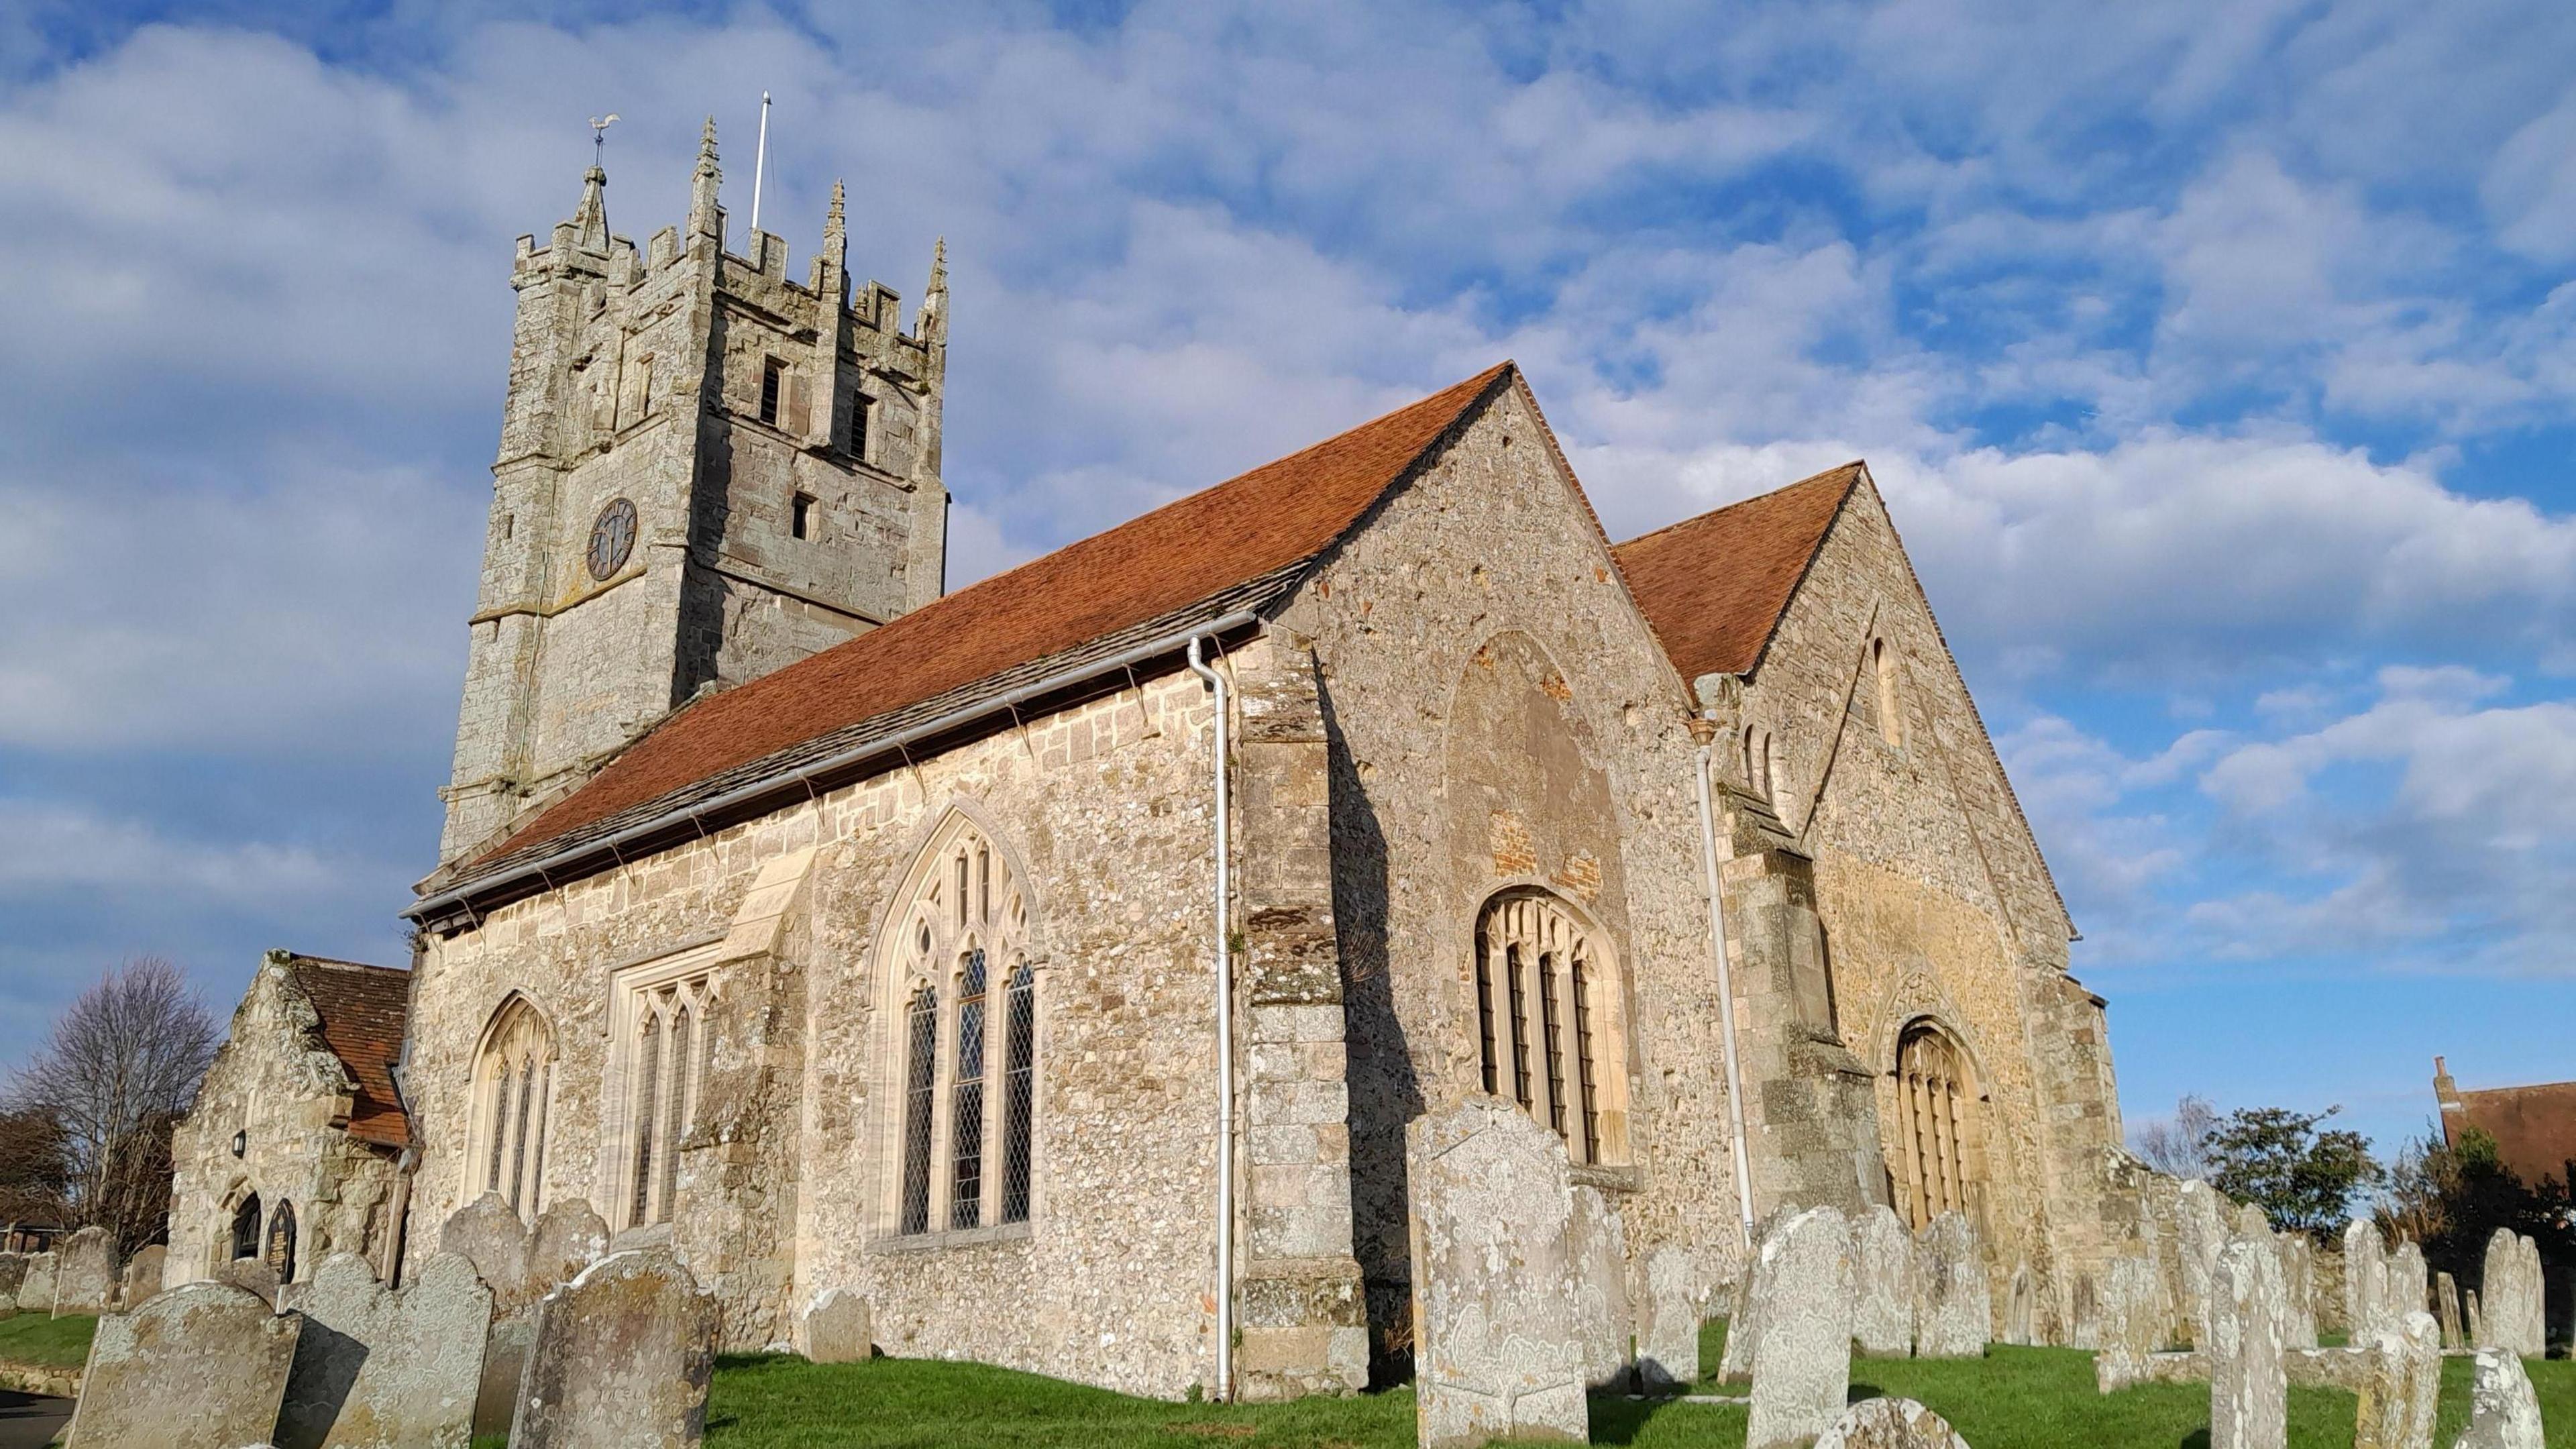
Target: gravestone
2019, 1307
85, 1273
143, 1274
1495, 1346
199, 1366
2365, 1278
1668, 1328
1802, 1296
13, 1271
1883, 1274
2135, 1321
252, 1276
2446, 1312
2248, 1394
568, 1238
839, 1328
2477, 1324
621, 1358
2503, 1413
36, 1284
2505, 1290
2407, 1282
488, 1234
1890, 1424
2401, 1380
520, 1266
1953, 1307
380, 1368
1735, 1358
1596, 1249
2251, 1222
2299, 1284
2201, 1224
2534, 1339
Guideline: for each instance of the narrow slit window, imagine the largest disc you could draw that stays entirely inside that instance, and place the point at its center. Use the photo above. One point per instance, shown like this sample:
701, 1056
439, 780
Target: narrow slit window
1485, 1016
966, 1196
773, 379
1555, 1043
1019, 1093
675, 1114
800, 521
1582, 983
648, 1093
500, 1131
1520, 1024
921, 1082
859, 427
246, 1219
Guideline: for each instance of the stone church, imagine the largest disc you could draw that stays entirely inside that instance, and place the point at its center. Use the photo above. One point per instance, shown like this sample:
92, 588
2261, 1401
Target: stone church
1057, 962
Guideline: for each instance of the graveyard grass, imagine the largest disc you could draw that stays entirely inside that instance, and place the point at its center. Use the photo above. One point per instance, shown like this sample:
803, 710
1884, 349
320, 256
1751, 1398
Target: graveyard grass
2015, 1398
46, 1342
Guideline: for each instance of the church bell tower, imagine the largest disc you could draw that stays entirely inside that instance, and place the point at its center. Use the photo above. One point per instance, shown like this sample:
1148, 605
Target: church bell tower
707, 470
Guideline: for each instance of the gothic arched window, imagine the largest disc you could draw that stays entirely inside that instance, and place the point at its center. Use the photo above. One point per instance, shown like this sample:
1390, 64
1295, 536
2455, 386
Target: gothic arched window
663, 1014
1937, 1124
1548, 1028
246, 1221
966, 1149
280, 1254
513, 1087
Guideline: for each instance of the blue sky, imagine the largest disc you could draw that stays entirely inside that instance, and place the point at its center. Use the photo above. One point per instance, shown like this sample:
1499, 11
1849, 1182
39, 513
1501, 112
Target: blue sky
2218, 362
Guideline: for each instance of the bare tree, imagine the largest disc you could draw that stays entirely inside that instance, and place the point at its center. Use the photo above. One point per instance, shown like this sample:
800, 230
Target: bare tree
122, 1064
2178, 1145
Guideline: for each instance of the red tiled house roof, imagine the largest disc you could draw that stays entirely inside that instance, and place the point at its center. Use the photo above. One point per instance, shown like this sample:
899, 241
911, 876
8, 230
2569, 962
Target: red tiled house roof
2534, 1127
362, 1009
1714, 587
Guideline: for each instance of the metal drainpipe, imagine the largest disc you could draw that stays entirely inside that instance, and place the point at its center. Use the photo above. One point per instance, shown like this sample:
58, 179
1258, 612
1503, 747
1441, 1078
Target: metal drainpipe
1725, 998
1224, 1389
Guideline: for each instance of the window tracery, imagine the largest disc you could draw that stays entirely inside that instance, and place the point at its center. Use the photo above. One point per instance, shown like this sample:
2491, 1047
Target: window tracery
1937, 1104
969, 1040
513, 1090
1556, 1027
664, 1015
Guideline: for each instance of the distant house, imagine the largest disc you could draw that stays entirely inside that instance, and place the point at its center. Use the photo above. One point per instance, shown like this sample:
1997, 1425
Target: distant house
2534, 1127
30, 1237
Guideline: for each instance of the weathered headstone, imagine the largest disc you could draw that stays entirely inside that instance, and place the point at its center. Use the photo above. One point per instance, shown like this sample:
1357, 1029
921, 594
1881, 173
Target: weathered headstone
36, 1284
2201, 1223
252, 1276
143, 1274
2248, 1403
201, 1365
2252, 1222
621, 1358
1735, 1358
2408, 1284
85, 1272
1596, 1251
2401, 1381
2365, 1278
1890, 1424
839, 1328
2535, 1301
2507, 1291
2446, 1312
13, 1271
1883, 1269
2020, 1307
1802, 1294
2503, 1412
381, 1368
487, 1233
568, 1237
2477, 1325
2299, 1284
1495, 1351
2135, 1321
1953, 1306
1668, 1325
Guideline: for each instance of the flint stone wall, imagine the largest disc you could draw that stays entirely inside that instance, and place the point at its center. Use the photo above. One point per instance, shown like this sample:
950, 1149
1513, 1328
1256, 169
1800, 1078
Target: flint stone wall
379, 1368
203, 1364
620, 1359
1495, 1351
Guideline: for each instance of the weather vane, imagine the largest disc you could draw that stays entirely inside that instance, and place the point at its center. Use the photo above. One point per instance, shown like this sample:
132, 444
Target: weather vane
599, 138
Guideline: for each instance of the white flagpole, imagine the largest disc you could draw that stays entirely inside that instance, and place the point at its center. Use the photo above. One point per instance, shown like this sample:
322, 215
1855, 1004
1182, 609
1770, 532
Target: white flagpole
760, 164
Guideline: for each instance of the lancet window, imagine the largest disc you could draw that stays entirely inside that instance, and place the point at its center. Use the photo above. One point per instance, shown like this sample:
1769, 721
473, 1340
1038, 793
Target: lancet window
968, 1025
246, 1221
513, 1090
664, 1040
1548, 1027
280, 1255
1936, 1107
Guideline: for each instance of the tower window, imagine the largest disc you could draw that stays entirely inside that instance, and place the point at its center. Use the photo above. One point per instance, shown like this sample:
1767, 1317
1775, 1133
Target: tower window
801, 523
773, 379
859, 426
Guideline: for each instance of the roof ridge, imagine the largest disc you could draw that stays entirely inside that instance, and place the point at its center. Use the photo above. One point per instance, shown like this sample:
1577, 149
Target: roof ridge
1854, 467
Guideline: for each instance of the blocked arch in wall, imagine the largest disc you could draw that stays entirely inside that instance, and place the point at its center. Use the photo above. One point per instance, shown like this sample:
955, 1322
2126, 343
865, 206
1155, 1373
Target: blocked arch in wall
961, 1038
1549, 1017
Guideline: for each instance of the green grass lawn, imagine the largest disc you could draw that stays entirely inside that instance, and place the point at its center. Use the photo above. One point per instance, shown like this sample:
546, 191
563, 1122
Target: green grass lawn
2015, 1398
34, 1338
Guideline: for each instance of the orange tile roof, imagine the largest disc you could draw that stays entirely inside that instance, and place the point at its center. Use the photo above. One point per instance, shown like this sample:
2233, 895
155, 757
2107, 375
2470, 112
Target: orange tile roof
1714, 587
2534, 1127
1185, 553
363, 1009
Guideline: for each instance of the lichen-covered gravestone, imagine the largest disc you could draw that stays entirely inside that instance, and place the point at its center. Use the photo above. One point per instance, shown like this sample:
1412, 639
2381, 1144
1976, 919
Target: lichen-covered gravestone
621, 1359
2446, 1312
2201, 1222
2503, 1412
1668, 1329
13, 1271
1496, 1351
2135, 1320
2408, 1283
1735, 1360
1802, 1297
1883, 1267
36, 1284
569, 1237
199, 1366
143, 1274
2299, 1285
1596, 1252
839, 1328
2252, 1222
1953, 1307
1890, 1424
380, 1368
2248, 1393
2020, 1307
2500, 1312
2401, 1380
2365, 1278
85, 1273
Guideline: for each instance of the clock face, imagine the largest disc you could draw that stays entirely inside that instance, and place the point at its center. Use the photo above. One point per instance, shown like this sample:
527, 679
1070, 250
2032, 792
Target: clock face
612, 538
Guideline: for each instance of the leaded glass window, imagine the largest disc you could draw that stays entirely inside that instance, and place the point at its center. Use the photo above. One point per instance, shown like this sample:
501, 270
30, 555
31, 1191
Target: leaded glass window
1553, 1041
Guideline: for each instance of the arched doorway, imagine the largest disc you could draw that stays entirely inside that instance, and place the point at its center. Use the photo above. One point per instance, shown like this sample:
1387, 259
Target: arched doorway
1939, 1137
